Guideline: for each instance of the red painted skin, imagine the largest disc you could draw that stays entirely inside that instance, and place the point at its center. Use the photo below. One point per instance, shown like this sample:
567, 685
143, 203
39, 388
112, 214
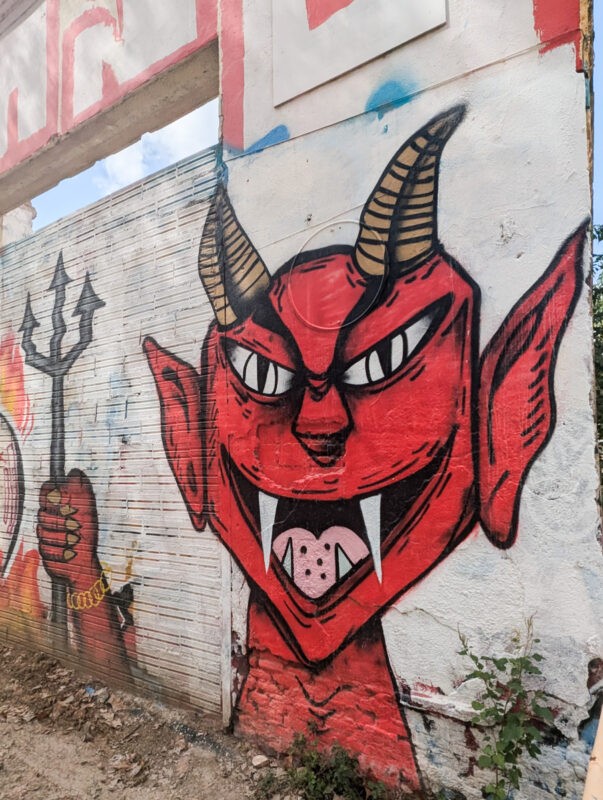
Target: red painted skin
59, 521
329, 440
393, 426
281, 697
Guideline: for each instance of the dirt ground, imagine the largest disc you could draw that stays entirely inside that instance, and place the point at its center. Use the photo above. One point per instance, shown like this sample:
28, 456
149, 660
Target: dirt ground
63, 737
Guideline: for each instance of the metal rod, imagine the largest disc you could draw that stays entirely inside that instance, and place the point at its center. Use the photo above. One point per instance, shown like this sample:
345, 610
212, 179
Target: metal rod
58, 610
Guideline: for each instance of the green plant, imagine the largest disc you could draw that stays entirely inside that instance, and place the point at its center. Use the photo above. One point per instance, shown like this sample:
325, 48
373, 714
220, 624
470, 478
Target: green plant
508, 710
319, 775
269, 784
315, 774
597, 256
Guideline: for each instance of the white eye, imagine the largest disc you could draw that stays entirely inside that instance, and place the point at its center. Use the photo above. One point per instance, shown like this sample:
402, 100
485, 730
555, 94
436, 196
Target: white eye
416, 332
259, 373
388, 355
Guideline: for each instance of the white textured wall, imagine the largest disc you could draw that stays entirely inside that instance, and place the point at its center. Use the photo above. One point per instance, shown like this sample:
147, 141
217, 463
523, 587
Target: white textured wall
514, 183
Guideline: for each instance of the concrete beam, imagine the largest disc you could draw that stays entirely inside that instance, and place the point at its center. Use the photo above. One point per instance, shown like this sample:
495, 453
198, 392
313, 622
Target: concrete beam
179, 90
13, 12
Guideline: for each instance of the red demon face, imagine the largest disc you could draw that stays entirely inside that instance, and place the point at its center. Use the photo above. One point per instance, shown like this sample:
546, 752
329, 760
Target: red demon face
340, 419
338, 440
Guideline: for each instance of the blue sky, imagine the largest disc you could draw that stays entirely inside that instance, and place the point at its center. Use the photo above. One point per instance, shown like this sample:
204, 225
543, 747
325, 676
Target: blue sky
152, 152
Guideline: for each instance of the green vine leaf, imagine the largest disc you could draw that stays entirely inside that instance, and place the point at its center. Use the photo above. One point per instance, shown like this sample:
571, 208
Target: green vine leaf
508, 706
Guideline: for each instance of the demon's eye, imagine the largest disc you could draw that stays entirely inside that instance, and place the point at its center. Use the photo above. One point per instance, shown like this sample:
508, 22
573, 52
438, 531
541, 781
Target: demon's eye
389, 354
257, 372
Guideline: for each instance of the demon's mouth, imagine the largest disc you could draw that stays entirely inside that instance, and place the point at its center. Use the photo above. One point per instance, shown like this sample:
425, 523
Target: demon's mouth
320, 543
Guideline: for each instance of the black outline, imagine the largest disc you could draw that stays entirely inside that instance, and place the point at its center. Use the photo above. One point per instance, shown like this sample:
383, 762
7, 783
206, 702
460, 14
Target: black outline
21, 485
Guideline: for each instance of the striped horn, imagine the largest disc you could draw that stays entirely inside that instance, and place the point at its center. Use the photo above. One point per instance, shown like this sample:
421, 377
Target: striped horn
231, 270
398, 222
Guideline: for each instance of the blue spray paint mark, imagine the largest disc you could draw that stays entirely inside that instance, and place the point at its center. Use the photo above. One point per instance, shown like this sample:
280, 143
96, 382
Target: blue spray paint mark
275, 136
390, 95
589, 731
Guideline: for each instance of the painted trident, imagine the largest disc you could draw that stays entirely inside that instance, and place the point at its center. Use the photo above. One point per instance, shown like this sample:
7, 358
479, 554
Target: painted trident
57, 366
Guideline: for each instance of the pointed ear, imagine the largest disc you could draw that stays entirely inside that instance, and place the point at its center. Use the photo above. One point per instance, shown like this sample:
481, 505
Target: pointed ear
178, 389
516, 391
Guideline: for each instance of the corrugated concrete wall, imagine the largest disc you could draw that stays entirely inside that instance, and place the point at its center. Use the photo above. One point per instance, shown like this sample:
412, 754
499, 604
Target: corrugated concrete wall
138, 249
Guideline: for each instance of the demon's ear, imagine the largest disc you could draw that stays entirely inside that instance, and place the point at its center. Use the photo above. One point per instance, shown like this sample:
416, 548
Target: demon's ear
178, 388
516, 393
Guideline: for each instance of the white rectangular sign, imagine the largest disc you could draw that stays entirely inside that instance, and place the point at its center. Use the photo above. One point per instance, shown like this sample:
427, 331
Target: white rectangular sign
317, 40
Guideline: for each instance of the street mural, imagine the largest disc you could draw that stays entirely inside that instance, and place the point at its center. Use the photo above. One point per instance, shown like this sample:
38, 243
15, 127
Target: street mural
67, 524
11, 493
57, 365
68, 539
19, 593
344, 435
359, 423
16, 422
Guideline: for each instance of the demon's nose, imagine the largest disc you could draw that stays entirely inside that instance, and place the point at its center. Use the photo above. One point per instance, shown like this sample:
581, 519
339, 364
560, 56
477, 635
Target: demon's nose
323, 425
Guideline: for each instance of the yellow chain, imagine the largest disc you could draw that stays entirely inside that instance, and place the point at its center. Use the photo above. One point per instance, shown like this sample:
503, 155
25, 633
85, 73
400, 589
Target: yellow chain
92, 597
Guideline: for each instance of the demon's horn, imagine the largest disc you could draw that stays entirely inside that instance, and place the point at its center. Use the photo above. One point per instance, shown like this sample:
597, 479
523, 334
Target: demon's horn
399, 219
231, 270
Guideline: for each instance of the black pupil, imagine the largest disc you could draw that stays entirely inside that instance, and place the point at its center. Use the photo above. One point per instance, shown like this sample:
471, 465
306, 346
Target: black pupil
263, 367
384, 354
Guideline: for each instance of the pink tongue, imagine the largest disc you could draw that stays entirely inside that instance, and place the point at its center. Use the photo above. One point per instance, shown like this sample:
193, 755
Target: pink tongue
318, 563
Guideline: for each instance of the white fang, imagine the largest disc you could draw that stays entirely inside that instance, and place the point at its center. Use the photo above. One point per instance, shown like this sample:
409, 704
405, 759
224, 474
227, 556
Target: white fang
344, 565
287, 562
268, 506
371, 513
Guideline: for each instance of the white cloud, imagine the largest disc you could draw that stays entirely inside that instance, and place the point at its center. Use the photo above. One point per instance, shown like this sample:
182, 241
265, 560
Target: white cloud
187, 135
121, 169
184, 137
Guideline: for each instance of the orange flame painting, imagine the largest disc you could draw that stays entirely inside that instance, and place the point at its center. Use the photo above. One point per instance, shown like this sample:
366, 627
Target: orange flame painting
13, 396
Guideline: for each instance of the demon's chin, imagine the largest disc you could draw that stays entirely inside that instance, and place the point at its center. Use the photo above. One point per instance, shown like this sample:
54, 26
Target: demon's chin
317, 545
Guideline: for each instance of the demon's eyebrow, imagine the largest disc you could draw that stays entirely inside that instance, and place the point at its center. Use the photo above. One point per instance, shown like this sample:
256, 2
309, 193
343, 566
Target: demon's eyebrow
264, 334
383, 324
266, 317
376, 291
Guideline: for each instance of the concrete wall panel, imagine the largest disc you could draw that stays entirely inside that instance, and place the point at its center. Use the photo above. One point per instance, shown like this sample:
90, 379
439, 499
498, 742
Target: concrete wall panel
513, 185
